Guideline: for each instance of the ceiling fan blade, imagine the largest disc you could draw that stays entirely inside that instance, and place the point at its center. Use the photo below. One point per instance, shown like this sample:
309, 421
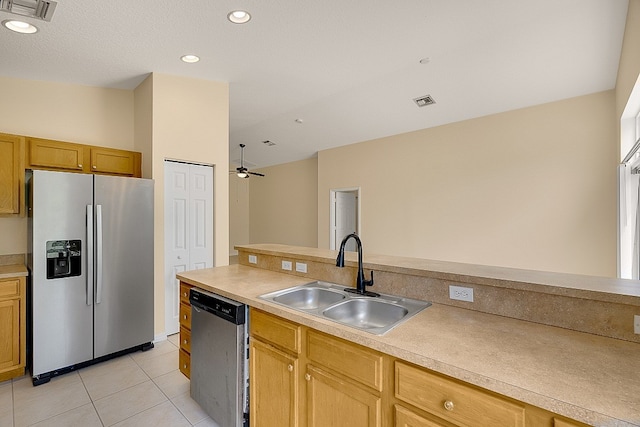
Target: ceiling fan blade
256, 173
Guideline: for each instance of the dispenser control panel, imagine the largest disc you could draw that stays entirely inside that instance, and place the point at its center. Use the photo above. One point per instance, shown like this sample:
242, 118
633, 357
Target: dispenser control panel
63, 258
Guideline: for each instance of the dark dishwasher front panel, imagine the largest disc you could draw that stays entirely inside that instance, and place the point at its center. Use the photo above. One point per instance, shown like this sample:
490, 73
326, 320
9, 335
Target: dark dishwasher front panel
219, 366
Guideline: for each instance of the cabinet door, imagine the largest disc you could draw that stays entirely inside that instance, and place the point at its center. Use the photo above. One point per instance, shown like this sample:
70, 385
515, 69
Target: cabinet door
274, 386
47, 154
334, 402
11, 173
407, 418
9, 334
113, 162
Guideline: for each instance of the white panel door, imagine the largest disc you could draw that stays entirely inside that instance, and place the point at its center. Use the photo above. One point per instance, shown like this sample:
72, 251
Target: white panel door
188, 226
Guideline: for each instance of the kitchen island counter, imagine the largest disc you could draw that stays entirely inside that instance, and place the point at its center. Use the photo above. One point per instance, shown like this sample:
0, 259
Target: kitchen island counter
582, 376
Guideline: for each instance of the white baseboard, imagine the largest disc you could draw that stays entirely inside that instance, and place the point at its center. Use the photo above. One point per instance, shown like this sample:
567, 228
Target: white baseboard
160, 337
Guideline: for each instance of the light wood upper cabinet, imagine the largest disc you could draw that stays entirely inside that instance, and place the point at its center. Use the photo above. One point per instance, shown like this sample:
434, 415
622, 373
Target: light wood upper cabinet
12, 327
11, 174
70, 157
111, 161
44, 153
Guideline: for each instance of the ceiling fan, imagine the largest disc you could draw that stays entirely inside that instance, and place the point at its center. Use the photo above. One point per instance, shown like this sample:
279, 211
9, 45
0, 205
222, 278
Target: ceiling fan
241, 171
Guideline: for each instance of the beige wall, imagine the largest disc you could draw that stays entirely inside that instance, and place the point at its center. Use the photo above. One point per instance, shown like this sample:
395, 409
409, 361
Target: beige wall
190, 122
532, 188
284, 204
238, 212
73, 113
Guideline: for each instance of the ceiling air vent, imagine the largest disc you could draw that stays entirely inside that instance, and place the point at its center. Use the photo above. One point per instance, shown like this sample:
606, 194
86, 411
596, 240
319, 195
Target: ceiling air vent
423, 101
269, 143
38, 9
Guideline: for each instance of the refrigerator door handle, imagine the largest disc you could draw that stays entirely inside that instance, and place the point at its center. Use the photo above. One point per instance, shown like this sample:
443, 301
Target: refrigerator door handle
89, 255
98, 254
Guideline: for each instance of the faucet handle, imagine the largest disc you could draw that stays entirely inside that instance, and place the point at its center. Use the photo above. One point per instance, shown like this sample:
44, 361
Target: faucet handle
369, 282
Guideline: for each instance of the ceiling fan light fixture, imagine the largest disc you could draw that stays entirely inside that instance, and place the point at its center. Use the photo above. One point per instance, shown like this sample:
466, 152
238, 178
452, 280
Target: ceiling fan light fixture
239, 16
242, 174
19, 26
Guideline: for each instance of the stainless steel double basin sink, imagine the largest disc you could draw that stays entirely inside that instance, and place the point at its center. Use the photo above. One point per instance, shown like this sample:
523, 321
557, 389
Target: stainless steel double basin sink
376, 315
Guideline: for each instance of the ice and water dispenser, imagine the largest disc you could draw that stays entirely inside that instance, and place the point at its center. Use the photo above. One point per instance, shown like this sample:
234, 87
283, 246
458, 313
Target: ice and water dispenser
63, 258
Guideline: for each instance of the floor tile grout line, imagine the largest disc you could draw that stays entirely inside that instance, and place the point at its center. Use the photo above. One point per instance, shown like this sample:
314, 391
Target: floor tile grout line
91, 399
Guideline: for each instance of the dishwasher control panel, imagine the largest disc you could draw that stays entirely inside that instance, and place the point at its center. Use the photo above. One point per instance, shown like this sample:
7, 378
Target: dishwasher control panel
230, 310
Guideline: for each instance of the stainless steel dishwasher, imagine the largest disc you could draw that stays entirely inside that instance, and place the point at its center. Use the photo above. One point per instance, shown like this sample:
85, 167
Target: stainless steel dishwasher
219, 358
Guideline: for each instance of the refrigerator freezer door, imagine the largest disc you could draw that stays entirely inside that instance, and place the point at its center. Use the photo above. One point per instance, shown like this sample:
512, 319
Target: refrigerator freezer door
62, 310
124, 316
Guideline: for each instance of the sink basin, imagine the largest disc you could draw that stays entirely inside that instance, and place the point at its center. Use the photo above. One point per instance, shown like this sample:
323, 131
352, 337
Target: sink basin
366, 313
309, 298
375, 315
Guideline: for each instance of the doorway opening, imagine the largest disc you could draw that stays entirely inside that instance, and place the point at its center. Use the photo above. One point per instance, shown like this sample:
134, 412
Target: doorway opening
344, 217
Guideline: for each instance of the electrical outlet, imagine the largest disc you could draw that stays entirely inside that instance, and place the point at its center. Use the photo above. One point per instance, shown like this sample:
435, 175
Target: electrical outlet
301, 267
461, 293
286, 265
636, 324
253, 259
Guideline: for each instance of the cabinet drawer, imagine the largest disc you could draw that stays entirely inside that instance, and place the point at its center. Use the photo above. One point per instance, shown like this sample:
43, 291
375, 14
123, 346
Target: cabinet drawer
351, 360
277, 331
185, 316
185, 363
185, 340
406, 418
184, 292
10, 288
453, 401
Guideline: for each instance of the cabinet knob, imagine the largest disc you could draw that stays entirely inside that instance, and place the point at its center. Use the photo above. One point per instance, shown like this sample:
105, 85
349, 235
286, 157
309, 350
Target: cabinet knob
184, 317
95, 167
79, 166
290, 367
185, 342
448, 405
184, 366
184, 294
307, 377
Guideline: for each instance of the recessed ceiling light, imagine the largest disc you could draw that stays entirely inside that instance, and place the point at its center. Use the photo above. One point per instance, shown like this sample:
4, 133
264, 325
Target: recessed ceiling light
239, 17
190, 58
19, 26
426, 60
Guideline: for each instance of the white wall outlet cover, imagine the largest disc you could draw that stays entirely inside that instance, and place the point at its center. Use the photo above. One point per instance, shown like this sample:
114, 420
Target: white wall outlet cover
286, 265
636, 324
253, 259
461, 293
301, 267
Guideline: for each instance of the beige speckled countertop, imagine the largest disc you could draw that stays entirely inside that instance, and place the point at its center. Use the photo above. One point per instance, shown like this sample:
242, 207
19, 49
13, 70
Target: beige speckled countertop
586, 377
14, 270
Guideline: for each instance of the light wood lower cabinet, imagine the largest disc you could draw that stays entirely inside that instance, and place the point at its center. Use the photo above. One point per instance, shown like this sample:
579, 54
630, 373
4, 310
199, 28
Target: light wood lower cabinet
273, 387
12, 327
184, 356
303, 377
334, 401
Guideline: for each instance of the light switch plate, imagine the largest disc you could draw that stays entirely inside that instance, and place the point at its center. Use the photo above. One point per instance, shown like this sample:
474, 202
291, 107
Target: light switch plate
286, 265
461, 293
253, 259
301, 267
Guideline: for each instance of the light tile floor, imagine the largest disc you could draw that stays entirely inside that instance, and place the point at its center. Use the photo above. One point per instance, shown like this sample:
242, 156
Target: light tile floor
139, 389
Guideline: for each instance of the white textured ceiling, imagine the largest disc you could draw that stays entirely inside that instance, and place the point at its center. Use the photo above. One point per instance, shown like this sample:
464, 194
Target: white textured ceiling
349, 69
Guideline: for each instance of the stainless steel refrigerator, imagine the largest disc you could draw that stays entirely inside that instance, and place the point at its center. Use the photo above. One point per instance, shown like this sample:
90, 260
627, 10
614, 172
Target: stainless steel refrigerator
90, 256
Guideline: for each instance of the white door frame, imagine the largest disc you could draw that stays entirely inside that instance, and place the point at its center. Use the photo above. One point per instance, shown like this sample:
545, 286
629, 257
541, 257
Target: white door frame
332, 216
